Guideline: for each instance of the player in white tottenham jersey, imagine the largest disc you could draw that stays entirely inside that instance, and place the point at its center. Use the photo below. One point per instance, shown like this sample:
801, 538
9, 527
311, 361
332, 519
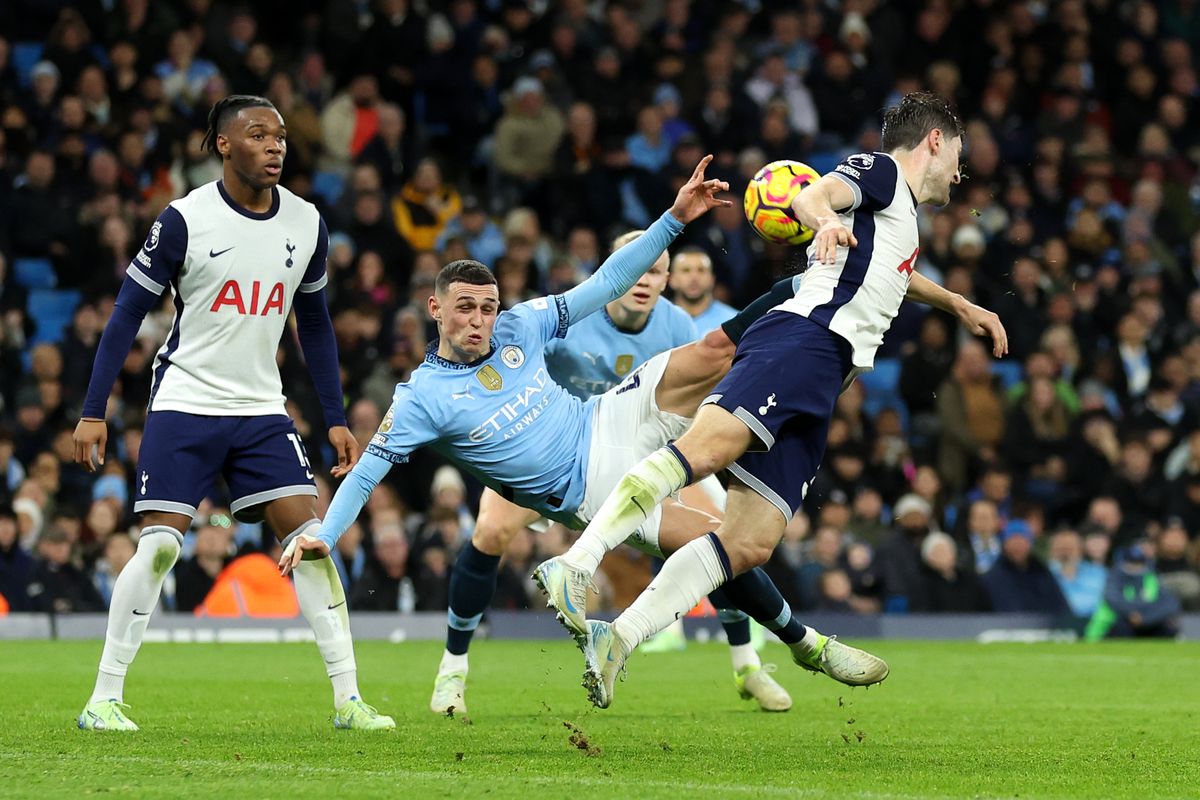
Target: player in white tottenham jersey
767, 420
236, 255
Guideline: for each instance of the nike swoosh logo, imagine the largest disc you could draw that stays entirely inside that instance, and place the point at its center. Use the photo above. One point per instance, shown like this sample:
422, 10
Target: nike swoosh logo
141, 613
215, 253
337, 605
639, 505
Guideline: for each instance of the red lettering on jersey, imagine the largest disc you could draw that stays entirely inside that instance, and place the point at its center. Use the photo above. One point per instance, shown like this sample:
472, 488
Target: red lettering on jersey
254, 298
230, 295
274, 299
907, 265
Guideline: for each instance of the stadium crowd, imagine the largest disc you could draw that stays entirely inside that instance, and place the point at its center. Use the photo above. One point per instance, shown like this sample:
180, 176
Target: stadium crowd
526, 134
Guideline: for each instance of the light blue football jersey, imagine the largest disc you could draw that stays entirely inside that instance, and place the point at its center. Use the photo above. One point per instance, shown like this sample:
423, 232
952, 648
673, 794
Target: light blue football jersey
596, 355
502, 418
711, 317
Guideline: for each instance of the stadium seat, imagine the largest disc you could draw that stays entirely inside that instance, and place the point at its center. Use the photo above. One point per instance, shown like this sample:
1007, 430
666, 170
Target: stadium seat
24, 56
35, 273
1009, 372
328, 185
51, 311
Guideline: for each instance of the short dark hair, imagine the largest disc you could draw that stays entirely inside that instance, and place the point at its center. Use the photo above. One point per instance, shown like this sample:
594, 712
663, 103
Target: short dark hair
464, 270
906, 124
225, 109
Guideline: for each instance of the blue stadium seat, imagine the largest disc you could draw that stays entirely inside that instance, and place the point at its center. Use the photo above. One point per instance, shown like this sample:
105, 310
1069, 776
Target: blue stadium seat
51, 311
24, 56
1009, 372
34, 273
328, 185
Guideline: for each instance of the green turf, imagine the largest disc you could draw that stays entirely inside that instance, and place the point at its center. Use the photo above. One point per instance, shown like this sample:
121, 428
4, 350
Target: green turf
953, 720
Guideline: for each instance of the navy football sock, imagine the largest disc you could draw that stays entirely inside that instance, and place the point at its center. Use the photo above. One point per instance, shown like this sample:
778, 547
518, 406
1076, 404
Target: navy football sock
735, 623
755, 593
472, 584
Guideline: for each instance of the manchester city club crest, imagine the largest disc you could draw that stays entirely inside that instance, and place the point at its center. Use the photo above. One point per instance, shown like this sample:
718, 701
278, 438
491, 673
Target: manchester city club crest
152, 239
490, 379
512, 356
386, 425
623, 365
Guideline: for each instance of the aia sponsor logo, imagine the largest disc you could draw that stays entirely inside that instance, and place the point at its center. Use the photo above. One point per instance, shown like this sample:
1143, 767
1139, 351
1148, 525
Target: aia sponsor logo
255, 303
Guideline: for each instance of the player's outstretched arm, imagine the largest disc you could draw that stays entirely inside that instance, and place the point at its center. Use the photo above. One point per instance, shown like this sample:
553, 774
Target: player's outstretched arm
814, 208
621, 270
977, 319
345, 507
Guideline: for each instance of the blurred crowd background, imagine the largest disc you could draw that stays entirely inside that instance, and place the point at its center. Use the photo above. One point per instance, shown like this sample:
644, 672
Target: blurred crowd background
527, 134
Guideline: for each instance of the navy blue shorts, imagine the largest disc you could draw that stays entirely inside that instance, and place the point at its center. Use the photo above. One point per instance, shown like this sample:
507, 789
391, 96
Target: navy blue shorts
784, 382
261, 458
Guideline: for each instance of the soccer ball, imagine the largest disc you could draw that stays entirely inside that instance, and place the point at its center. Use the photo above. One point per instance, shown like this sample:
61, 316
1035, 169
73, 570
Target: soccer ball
768, 201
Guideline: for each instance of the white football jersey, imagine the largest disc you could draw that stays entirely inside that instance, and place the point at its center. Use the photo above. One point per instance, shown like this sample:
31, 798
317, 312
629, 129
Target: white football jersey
233, 274
859, 295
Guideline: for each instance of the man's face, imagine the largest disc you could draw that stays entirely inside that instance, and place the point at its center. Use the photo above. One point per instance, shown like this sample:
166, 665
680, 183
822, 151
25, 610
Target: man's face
645, 293
692, 277
944, 170
255, 143
466, 314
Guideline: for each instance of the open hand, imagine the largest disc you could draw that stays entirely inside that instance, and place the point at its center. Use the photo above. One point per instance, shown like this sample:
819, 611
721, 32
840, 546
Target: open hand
829, 237
302, 548
698, 196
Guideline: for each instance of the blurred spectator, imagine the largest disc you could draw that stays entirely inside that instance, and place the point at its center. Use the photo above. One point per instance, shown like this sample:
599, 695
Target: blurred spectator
385, 584
483, 238
1019, 582
56, 583
118, 549
16, 565
900, 555
1081, 581
946, 586
1175, 558
425, 205
1135, 601
972, 415
527, 136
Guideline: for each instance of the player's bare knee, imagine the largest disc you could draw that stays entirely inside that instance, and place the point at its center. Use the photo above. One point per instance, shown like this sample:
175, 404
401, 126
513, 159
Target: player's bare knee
491, 538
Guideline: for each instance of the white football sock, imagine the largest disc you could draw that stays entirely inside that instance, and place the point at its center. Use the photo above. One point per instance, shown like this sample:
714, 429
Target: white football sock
744, 655
452, 662
134, 598
656, 477
690, 573
323, 603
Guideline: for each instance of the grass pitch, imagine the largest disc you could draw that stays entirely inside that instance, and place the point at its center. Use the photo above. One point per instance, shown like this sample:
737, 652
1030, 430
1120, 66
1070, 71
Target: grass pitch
952, 720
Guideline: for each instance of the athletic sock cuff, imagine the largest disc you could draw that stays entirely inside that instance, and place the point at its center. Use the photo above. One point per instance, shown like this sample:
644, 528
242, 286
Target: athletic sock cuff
683, 462
475, 560
287, 540
151, 530
721, 554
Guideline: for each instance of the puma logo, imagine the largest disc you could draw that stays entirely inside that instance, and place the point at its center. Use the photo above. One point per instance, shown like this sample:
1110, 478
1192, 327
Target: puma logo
770, 404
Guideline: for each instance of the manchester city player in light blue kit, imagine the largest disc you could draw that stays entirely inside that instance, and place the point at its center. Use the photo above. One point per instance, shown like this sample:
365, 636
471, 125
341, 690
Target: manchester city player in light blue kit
692, 284
596, 354
600, 351
484, 399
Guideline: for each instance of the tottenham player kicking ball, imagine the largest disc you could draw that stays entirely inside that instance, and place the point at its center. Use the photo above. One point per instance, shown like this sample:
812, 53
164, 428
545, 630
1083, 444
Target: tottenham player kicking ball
237, 255
766, 422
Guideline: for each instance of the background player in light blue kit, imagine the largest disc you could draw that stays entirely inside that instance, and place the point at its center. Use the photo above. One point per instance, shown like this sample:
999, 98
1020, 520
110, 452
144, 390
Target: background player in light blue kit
483, 398
237, 254
601, 350
692, 283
